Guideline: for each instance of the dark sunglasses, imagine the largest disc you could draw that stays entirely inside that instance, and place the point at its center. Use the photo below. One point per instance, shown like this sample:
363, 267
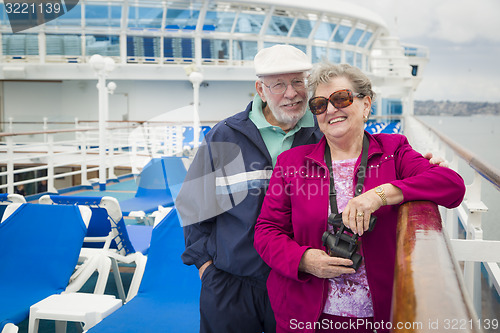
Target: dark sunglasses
339, 99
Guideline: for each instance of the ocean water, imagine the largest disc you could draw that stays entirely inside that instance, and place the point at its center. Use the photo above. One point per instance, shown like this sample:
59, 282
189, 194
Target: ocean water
481, 136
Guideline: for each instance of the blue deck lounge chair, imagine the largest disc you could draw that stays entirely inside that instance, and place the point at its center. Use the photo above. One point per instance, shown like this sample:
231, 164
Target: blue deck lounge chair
157, 180
383, 127
39, 248
108, 241
168, 298
6, 199
188, 134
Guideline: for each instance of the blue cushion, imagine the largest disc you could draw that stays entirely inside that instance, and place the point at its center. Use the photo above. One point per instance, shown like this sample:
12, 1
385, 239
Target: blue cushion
159, 184
168, 298
39, 248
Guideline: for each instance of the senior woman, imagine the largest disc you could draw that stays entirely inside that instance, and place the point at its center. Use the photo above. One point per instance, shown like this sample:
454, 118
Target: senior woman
309, 290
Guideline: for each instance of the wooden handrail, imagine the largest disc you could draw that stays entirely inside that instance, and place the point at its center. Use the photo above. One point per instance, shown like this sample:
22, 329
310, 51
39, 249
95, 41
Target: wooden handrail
150, 121
70, 130
48, 132
429, 294
58, 131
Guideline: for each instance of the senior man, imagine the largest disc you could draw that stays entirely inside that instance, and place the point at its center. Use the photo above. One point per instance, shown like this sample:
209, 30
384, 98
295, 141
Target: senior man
223, 192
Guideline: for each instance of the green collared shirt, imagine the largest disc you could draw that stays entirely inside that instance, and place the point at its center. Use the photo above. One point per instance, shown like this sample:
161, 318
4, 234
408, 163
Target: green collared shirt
275, 139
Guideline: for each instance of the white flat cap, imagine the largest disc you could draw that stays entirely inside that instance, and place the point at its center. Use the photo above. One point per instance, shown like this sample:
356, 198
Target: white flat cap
281, 59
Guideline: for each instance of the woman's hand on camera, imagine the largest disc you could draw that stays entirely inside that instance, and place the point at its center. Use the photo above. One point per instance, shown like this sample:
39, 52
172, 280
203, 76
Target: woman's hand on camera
320, 264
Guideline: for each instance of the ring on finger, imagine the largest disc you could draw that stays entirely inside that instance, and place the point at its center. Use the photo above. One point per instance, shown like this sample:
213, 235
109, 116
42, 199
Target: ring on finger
360, 214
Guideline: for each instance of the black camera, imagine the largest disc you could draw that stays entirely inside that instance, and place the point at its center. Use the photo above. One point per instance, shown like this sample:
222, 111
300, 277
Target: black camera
343, 242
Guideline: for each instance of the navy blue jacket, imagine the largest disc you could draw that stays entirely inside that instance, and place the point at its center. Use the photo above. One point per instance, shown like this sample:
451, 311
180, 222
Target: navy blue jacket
222, 195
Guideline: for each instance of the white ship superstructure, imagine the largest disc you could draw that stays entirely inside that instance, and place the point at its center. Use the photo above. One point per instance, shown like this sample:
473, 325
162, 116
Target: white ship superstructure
155, 43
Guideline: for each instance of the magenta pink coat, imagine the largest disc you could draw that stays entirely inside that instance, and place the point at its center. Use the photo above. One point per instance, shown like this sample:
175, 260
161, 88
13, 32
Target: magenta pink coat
294, 217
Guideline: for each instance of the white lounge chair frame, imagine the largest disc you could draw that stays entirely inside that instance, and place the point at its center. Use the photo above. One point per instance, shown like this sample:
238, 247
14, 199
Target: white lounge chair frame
105, 258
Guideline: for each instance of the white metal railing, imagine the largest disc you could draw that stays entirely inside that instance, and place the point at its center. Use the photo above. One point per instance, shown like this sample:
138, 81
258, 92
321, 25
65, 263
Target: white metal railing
52, 155
474, 251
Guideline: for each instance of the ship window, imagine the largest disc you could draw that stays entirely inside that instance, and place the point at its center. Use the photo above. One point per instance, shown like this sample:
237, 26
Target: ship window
334, 55
359, 60
303, 28
411, 51
365, 39
374, 107
367, 63
178, 48
392, 106
279, 26
5, 42
214, 49
68, 45
54, 44
145, 17
249, 23
324, 31
147, 47
20, 44
102, 44
71, 18
72, 45
102, 14
355, 37
318, 54
341, 34
185, 19
349, 57
244, 50
414, 70
221, 21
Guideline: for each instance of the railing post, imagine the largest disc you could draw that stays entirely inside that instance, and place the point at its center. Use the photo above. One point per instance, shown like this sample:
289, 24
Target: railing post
167, 141
77, 134
133, 142
83, 152
111, 151
475, 208
154, 141
10, 164
179, 138
45, 128
50, 164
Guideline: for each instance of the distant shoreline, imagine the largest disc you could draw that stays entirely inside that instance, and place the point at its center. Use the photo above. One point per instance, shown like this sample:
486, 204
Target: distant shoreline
447, 108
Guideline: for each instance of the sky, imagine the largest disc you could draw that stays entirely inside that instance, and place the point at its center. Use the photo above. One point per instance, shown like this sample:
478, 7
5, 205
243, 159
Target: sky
463, 37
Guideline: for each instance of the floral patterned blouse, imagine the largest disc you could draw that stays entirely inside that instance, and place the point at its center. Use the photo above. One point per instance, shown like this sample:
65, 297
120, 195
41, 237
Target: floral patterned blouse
348, 294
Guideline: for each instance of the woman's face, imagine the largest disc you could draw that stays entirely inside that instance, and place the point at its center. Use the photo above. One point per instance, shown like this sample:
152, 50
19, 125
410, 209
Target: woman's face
345, 123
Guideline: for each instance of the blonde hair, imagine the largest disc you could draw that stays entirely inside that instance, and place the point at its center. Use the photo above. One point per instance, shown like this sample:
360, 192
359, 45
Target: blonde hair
324, 72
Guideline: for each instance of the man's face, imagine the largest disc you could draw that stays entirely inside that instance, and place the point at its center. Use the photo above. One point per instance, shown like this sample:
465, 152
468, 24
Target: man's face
286, 97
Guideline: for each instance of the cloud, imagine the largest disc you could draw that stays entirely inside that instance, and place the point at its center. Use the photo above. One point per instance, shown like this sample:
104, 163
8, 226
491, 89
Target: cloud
454, 87
463, 40
458, 21
462, 21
